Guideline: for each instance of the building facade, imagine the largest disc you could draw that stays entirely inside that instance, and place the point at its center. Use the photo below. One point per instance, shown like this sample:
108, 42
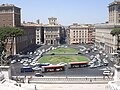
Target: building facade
52, 34
103, 38
10, 16
48, 34
114, 12
79, 34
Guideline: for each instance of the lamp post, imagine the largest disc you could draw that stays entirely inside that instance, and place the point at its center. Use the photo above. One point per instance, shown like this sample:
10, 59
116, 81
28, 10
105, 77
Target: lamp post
66, 68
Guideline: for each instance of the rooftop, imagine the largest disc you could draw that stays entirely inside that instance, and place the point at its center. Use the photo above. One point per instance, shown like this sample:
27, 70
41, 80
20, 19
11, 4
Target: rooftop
8, 5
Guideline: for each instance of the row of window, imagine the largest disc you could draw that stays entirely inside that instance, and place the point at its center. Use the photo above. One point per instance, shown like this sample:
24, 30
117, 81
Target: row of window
80, 40
78, 36
51, 36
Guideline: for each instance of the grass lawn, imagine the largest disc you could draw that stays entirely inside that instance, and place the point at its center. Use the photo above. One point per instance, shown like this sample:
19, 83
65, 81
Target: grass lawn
63, 50
65, 59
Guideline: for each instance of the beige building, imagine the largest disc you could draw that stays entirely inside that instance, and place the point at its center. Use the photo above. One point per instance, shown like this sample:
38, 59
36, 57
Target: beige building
103, 38
53, 32
81, 33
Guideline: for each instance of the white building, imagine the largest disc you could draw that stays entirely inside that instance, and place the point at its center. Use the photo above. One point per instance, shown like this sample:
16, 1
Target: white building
103, 38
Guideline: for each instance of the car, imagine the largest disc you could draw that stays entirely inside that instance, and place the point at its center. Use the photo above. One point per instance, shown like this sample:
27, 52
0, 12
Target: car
39, 75
52, 53
95, 49
36, 68
111, 59
90, 63
25, 64
104, 54
86, 52
107, 72
13, 61
79, 53
99, 65
100, 52
91, 57
93, 66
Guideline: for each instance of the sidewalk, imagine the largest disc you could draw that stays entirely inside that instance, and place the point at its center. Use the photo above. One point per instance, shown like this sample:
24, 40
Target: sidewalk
65, 86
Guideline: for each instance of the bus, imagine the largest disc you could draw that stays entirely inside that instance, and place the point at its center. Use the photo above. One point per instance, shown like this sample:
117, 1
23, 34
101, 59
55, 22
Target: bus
26, 69
78, 64
53, 68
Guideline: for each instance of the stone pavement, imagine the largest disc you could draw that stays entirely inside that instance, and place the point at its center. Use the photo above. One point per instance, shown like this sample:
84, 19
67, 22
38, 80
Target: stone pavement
65, 86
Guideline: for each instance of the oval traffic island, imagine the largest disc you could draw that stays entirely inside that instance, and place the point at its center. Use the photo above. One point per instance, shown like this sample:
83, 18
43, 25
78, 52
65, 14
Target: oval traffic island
59, 59
63, 51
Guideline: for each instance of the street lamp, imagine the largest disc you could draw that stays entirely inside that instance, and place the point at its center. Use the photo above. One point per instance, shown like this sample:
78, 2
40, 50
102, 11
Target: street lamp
66, 68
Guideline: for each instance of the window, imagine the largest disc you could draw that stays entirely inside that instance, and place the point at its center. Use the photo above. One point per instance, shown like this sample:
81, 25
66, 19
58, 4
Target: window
3, 25
37, 29
119, 21
118, 7
37, 35
119, 15
37, 42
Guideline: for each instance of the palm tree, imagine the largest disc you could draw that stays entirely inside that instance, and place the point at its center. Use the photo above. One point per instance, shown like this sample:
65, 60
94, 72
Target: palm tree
8, 33
116, 32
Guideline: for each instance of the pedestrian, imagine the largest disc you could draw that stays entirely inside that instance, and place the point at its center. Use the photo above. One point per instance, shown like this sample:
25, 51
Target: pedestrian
19, 85
35, 87
90, 80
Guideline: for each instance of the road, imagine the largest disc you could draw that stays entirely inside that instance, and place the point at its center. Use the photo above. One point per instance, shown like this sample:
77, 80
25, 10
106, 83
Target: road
75, 72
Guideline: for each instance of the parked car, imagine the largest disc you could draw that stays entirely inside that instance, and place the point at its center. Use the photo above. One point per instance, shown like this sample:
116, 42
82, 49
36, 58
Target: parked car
39, 75
93, 66
79, 53
106, 72
52, 53
13, 61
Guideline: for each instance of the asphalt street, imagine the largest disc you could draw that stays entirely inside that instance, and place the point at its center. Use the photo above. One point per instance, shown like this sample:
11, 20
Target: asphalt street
75, 72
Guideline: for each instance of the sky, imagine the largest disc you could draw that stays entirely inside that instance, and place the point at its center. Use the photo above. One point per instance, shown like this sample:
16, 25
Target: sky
66, 11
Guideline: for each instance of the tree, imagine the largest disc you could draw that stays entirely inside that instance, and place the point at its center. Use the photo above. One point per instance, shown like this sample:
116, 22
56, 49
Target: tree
116, 32
8, 33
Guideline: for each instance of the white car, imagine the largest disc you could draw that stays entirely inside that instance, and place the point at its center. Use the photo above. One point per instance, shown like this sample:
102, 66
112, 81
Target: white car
91, 57
95, 49
22, 61
107, 73
25, 64
100, 52
90, 63
13, 61
104, 54
93, 66
33, 63
86, 52
37, 68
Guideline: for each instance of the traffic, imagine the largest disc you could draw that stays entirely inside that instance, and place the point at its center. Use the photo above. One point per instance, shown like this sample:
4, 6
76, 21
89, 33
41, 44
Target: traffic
29, 63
